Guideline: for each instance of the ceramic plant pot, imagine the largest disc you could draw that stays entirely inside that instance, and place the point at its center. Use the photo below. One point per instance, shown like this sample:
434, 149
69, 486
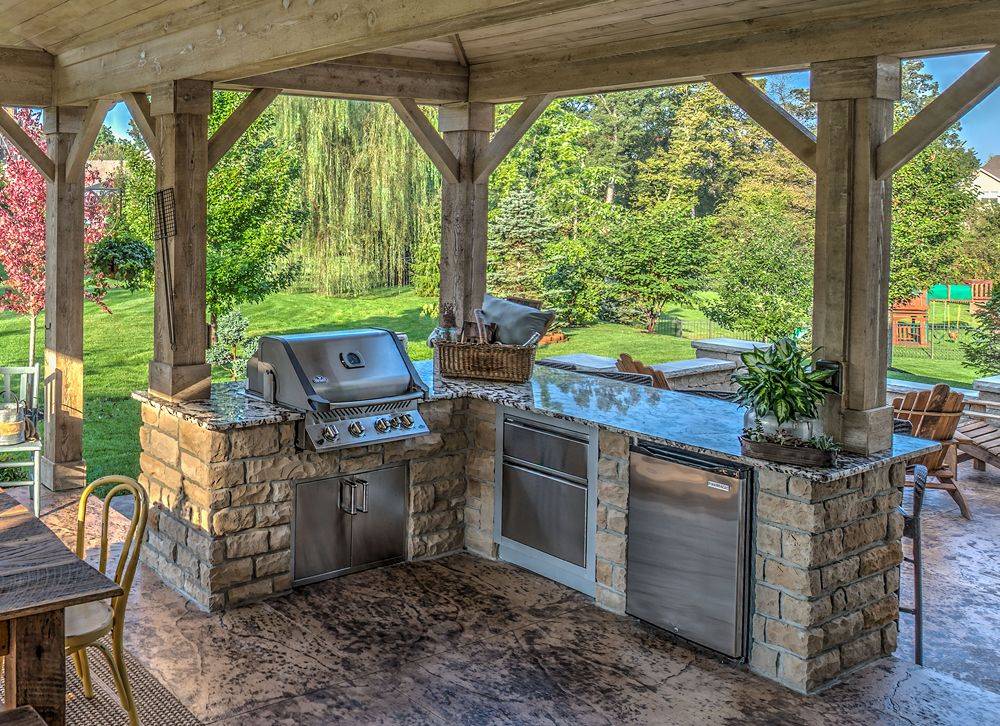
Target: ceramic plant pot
802, 428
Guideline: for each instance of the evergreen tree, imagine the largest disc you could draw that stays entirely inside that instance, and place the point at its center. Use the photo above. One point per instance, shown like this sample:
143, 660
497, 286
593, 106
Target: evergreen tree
982, 348
519, 231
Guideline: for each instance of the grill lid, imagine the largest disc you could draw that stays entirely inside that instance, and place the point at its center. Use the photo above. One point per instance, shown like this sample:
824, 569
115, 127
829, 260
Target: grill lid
347, 366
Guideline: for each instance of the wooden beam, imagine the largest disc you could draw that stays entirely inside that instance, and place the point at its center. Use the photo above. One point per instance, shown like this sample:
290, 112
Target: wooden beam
934, 119
250, 38
507, 137
428, 137
238, 122
25, 77
84, 142
138, 106
776, 120
367, 79
771, 45
26, 145
459, 46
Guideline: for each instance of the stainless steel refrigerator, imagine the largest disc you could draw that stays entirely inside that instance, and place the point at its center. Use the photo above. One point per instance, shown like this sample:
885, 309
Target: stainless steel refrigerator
688, 540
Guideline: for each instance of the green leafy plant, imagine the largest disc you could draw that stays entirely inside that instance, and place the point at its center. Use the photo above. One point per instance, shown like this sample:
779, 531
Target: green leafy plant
233, 347
781, 381
982, 348
123, 258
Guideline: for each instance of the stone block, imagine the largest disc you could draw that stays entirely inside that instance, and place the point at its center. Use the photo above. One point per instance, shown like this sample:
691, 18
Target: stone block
609, 600
280, 537
862, 592
433, 521
865, 532
207, 548
481, 542
187, 560
303, 465
232, 519
482, 409
472, 518
890, 634
286, 435
613, 470
894, 525
794, 579
211, 476
772, 482
281, 583
415, 448
148, 414
437, 414
231, 573
208, 446
805, 612
449, 489
766, 601
253, 441
804, 642
845, 510
162, 446
881, 558
610, 443
166, 475
421, 497
484, 433
172, 528
273, 563
443, 466
244, 494
618, 578
617, 521
769, 540
480, 465
604, 573
355, 465
881, 612
442, 542
861, 650
269, 515
841, 629
162, 545
806, 675
613, 493
811, 550
790, 513
611, 546
839, 573
244, 544
602, 515
764, 660
251, 592
892, 580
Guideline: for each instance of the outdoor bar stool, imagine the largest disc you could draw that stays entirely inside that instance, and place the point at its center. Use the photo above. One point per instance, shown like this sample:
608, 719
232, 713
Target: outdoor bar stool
911, 531
20, 384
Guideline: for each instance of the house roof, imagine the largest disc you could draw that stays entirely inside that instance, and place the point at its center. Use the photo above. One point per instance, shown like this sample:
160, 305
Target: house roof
992, 167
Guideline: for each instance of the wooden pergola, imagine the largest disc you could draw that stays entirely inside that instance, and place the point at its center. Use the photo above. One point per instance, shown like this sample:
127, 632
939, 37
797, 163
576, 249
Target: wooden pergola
75, 58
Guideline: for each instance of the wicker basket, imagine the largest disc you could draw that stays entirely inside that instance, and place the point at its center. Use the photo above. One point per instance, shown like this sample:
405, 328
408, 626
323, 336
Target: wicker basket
508, 363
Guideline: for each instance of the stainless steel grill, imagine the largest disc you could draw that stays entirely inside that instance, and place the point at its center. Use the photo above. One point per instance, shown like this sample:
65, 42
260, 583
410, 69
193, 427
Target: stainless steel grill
356, 387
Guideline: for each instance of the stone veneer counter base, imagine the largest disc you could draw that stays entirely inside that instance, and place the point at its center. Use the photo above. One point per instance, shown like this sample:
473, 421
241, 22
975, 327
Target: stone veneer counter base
221, 475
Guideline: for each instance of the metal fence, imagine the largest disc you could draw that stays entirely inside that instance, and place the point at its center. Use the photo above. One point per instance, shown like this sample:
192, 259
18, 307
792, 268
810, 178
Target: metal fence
935, 341
695, 329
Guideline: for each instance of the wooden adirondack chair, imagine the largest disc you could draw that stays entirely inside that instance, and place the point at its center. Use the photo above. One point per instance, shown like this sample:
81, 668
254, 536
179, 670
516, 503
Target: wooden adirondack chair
627, 364
979, 442
935, 415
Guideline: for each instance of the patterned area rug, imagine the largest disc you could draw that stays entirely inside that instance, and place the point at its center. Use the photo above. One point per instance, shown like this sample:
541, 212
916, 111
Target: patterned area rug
156, 705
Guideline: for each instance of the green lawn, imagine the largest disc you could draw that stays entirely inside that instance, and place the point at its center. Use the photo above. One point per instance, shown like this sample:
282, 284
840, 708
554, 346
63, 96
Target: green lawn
117, 349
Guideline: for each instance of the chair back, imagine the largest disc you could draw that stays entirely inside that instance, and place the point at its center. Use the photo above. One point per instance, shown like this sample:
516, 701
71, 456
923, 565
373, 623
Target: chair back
628, 364
128, 560
934, 415
19, 383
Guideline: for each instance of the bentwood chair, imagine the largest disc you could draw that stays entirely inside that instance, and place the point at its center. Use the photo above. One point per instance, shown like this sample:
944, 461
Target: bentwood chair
89, 623
21, 384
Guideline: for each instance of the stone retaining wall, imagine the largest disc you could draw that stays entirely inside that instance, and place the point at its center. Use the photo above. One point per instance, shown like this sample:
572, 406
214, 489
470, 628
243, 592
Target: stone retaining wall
221, 502
827, 571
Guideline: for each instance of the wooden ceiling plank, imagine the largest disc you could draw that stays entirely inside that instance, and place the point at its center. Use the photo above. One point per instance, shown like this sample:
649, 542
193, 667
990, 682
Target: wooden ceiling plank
427, 137
138, 106
506, 138
967, 26
265, 37
20, 140
768, 113
238, 122
93, 120
934, 119
25, 77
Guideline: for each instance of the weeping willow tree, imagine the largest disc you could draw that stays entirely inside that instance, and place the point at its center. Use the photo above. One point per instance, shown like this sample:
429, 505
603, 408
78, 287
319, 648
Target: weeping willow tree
368, 187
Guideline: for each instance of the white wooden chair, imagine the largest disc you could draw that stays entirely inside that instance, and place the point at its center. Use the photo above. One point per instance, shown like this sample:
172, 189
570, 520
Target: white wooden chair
21, 384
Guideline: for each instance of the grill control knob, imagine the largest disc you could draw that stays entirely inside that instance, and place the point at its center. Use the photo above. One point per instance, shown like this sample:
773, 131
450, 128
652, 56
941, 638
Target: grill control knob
330, 433
406, 421
356, 429
382, 425
394, 422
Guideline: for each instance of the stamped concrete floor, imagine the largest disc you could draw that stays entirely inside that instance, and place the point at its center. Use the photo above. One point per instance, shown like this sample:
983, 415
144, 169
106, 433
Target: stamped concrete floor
463, 640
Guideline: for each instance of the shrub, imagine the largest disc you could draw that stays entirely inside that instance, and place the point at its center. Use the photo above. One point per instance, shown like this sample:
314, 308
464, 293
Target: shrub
982, 348
125, 259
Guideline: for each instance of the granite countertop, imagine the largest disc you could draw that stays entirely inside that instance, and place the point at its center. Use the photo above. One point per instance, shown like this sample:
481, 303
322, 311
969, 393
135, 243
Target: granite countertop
693, 423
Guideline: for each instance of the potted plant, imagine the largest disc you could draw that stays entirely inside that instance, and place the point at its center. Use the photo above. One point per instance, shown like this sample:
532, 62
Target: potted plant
782, 391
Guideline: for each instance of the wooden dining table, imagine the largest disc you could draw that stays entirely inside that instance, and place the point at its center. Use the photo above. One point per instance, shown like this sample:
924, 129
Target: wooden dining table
39, 578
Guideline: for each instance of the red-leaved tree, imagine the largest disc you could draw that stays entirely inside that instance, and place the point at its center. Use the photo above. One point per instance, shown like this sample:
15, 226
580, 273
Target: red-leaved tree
22, 232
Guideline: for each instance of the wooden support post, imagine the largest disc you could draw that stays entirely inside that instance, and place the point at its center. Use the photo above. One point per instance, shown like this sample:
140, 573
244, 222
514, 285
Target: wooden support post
464, 205
35, 668
850, 299
62, 461
178, 370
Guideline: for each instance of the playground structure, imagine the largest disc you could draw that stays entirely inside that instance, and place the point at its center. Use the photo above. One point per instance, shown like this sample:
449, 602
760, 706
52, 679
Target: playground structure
909, 322
919, 322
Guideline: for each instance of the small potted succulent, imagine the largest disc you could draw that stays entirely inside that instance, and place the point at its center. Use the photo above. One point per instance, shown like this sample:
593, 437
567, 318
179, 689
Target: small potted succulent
781, 391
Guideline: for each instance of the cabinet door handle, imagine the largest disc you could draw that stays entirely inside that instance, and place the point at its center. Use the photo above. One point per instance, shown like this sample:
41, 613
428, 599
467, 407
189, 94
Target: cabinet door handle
352, 509
364, 495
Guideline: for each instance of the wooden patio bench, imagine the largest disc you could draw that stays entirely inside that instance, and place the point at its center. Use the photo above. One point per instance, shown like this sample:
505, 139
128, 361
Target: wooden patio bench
979, 442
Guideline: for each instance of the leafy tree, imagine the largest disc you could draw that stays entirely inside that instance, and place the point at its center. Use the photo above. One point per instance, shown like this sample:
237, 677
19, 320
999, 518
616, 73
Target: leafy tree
655, 257
982, 347
518, 233
762, 266
254, 217
22, 233
233, 347
979, 252
573, 283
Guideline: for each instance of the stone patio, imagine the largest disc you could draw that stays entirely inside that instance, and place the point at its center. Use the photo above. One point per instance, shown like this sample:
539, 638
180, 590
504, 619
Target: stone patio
464, 640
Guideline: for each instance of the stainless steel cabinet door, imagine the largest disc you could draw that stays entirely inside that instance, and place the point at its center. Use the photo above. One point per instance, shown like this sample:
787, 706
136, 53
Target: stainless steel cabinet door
322, 530
545, 513
380, 533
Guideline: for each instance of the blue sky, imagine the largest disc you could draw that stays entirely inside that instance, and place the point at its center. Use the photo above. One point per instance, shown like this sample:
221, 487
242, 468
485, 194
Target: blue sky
980, 127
